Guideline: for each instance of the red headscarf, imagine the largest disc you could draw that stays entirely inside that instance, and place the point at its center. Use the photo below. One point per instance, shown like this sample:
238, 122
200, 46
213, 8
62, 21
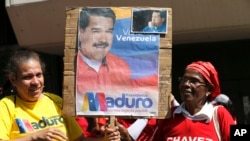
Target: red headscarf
208, 71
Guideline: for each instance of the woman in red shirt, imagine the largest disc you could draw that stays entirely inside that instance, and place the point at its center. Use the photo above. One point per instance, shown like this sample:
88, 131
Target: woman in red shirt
193, 119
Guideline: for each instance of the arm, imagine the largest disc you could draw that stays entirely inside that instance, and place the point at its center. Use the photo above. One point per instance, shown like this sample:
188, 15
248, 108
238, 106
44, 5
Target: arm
139, 129
46, 134
225, 120
125, 136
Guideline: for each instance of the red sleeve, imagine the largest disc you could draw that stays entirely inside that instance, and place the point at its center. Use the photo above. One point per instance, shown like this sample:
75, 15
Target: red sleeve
148, 131
158, 135
102, 121
225, 120
83, 123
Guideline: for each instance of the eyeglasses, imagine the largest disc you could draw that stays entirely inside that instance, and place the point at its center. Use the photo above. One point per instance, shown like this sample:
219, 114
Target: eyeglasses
192, 81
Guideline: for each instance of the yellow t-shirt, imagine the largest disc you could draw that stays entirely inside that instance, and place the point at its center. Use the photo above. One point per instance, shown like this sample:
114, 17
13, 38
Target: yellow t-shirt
19, 118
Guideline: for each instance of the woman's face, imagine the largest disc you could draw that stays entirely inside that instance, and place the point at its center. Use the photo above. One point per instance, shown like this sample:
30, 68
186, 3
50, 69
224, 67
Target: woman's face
29, 81
193, 88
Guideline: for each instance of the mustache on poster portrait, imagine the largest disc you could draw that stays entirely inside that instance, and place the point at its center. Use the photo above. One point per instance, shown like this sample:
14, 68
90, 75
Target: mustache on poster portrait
101, 44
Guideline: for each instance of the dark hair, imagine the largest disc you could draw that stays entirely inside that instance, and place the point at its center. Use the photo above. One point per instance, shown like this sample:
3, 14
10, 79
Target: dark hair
4, 88
19, 56
86, 12
162, 13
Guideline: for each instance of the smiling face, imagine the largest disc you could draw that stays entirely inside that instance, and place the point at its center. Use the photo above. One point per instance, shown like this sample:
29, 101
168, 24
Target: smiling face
29, 80
193, 88
96, 39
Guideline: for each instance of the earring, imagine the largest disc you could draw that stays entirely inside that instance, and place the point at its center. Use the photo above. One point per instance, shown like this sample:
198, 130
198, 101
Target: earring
12, 89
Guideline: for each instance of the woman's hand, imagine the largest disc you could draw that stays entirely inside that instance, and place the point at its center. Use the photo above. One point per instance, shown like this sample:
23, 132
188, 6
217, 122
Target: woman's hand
48, 134
123, 132
112, 134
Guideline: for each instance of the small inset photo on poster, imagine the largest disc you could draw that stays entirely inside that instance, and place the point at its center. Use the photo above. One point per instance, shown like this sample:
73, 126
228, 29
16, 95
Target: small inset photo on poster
148, 20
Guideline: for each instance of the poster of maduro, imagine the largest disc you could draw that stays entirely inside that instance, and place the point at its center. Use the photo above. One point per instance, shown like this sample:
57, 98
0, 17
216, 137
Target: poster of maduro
117, 70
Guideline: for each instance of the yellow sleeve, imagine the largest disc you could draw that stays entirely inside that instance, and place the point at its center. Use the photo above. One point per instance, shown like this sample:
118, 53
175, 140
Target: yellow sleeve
74, 131
7, 109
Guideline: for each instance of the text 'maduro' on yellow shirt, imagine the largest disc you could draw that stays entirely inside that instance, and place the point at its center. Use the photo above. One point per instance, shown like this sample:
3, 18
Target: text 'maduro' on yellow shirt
18, 118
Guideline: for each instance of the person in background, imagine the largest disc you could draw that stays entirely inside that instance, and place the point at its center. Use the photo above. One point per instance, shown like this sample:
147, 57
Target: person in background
157, 23
89, 126
224, 100
31, 114
193, 119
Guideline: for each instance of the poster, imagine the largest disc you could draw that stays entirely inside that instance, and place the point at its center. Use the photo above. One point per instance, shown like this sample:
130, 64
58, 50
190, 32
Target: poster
117, 71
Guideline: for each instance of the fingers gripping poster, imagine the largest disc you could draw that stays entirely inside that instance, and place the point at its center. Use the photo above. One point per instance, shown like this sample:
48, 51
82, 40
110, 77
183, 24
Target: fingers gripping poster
117, 69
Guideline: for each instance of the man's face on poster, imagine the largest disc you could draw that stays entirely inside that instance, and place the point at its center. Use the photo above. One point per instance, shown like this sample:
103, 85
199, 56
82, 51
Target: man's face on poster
156, 19
96, 40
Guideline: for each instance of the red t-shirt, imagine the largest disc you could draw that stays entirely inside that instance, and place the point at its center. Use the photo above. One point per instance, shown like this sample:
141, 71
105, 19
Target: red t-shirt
181, 128
114, 73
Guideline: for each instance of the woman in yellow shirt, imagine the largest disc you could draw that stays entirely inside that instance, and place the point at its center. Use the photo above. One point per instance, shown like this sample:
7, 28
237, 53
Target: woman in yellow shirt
31, 114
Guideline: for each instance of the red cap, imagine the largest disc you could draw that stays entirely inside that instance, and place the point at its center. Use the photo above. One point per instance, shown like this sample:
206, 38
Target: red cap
208, 71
